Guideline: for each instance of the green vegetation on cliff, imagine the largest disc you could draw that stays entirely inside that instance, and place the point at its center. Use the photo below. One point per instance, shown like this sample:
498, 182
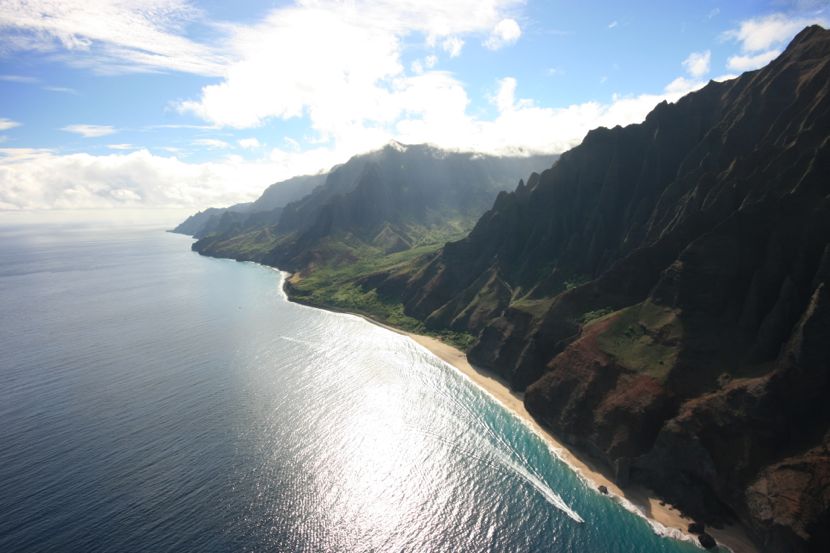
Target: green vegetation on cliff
377, 212
661, 294
339, 287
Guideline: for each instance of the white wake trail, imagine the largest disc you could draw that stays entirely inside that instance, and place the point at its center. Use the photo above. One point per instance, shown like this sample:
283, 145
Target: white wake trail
540, 486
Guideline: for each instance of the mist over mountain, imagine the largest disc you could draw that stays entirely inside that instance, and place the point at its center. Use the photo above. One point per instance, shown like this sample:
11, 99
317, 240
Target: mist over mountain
383, 202
265, 210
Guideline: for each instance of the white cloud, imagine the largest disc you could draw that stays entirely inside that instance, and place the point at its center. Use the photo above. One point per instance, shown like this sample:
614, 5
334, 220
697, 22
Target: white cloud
90, 131
63, 89
428, 62
42, 179
212, 143
18, 79
353, 80
355, 92
748, 63
523, 126
506, 32
682, 85
249, 143
6, 124
766, 32
121, 147
453, 45
697, 64
110, 36
506, 95
613, 24
38, 179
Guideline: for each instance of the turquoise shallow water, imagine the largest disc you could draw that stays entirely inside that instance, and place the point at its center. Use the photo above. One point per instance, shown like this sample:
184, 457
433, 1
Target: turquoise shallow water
155, 400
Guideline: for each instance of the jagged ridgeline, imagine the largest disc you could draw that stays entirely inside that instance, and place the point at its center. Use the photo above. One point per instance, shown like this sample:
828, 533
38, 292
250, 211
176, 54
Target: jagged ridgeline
376, 211
662, 294
395, 199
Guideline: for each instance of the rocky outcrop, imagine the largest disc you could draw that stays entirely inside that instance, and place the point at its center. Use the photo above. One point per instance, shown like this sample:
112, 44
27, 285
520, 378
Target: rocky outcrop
661, 294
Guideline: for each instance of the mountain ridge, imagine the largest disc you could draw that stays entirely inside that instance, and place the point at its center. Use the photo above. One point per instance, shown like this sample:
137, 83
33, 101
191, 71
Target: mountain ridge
655, 289
660, 292
375, 211
267, 209
388, 200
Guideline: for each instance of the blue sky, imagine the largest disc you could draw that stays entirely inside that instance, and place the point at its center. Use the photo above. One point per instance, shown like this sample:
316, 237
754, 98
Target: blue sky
177, 103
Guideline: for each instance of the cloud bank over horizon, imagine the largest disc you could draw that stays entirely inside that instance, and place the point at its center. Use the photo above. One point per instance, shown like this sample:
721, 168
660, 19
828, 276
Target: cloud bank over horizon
353, 75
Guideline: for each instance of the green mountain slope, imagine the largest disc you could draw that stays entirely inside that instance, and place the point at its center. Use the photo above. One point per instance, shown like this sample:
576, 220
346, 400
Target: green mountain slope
662, 295
375, 212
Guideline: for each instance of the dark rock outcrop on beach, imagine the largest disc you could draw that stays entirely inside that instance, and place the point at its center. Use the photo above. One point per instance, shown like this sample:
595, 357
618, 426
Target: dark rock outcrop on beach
663, 295
706, 541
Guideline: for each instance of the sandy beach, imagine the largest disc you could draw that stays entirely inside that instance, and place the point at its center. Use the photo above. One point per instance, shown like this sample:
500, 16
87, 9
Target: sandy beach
666, 519
669, 520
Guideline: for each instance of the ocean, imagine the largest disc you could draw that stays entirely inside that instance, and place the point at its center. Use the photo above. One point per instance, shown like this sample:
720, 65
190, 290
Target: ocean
155, 400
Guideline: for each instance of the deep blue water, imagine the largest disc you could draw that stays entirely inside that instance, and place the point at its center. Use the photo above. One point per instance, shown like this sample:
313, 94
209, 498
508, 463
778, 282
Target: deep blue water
155, 400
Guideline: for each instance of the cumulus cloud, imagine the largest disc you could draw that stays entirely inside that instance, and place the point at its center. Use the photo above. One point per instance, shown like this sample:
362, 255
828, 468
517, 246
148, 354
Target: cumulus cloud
506, 95
358, 84
683, 85
506, 32
523, 126
121, 147
6, 124
766, 32
697, 64
37, 179
453, 45
249, 143
90, 131
749, 62
42, 179
354, 90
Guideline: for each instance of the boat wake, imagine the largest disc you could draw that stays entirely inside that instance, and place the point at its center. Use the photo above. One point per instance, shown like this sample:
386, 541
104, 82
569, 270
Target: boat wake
508, 461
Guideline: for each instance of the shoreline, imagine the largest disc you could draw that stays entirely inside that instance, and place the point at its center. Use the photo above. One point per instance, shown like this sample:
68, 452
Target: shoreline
665, 519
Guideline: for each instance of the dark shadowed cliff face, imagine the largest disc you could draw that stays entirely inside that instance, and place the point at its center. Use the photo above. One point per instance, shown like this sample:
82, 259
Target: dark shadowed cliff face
662, 294
383, 202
